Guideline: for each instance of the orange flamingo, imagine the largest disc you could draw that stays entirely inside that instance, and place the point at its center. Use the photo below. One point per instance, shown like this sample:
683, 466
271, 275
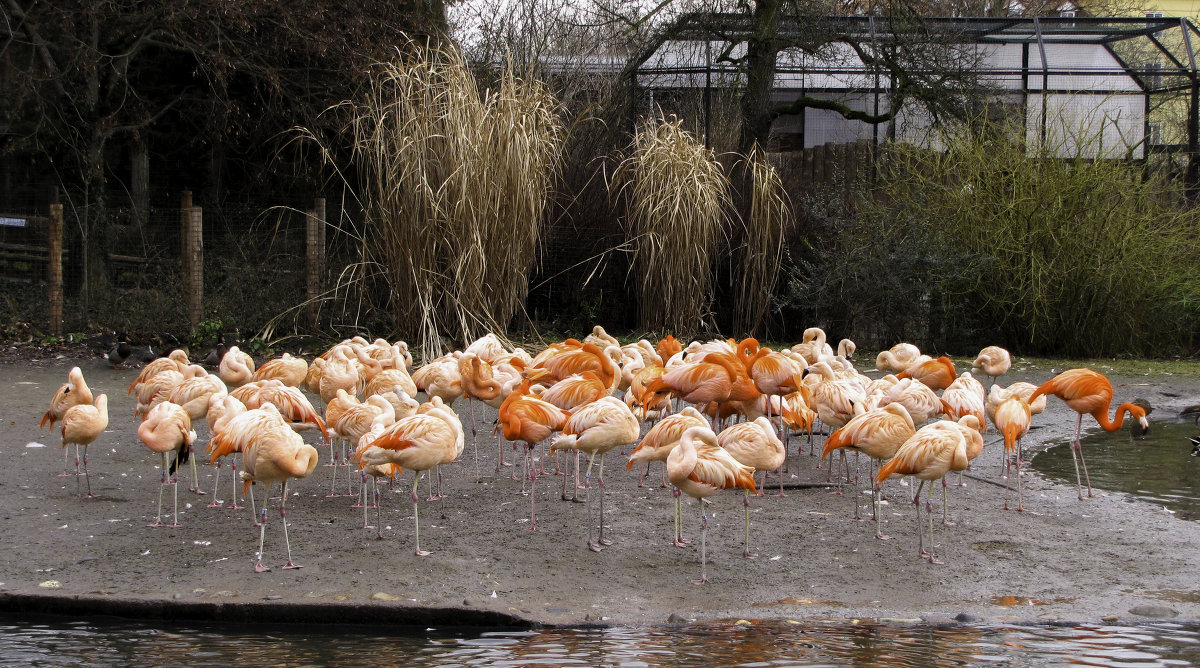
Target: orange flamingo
668, 347
700, 467
1012, 419
168, 428
937, 374
656, 446
878, 434
530, 420
929, 454
81, 425
1086, 391
418, 443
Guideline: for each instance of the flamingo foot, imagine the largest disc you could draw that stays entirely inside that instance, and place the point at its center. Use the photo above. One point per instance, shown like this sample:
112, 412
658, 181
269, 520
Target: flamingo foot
681, 542
700, 581
882, 536
259, 568
594, 547
749, 555
289, 566
356, 505
605, 541
198, 491
216, 503
421, 553
948, 523
234, 506
156, 524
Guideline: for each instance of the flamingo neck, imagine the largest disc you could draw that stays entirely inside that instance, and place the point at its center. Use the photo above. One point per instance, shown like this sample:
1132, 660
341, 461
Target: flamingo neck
1119, 418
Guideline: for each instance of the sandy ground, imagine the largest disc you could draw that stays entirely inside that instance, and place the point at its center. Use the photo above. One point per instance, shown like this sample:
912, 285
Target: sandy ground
1103, 559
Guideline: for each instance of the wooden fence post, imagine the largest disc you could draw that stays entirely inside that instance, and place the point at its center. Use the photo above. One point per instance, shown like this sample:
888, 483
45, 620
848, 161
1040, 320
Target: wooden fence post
54, 268
192, 264
315, 257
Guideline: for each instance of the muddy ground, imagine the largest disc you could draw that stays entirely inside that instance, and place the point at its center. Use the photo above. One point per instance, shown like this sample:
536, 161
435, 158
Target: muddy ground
1102, 559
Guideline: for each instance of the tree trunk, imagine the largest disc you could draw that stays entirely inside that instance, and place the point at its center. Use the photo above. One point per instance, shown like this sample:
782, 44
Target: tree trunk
761, 56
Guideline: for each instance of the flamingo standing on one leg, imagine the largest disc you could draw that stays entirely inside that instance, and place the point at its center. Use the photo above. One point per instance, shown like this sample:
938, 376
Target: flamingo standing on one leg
596, 428
168, 429
700, 468
755, 445
81, 425
1086, 391
993, 361
530, 420
657, 445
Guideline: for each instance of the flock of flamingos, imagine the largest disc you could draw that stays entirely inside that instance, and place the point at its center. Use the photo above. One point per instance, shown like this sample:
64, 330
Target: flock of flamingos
922, 418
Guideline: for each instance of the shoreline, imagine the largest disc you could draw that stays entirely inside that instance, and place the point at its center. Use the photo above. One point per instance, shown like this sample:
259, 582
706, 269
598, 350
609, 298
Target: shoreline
1065, 561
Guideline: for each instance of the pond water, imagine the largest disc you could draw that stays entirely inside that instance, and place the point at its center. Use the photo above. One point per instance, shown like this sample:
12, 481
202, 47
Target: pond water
52, 642
1158, 467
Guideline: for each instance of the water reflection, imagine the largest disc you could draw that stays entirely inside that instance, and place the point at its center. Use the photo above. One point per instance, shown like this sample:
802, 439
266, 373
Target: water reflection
1158, 467
54, 643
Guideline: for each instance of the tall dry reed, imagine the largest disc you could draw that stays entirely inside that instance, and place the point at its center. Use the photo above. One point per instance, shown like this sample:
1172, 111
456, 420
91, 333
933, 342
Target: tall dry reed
455, 182
677, 205
757, 259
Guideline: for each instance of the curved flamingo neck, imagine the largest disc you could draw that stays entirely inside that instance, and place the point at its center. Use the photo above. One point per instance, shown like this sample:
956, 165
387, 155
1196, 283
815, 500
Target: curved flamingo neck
1118, 420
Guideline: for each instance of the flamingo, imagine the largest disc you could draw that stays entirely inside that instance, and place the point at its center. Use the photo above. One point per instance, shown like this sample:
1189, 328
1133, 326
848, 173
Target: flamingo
656, 446
997, 394
168, 428
418, 443
176, 360
194, 395
71, 393
596, 428
937, 374
918, 399
878, 434
82, 424
530, 420
898, 358
376, 471
1086, 391
755, 445
1012, 419
358, 420
813, 346
271, 452
668, 347
236, 367
993, 361
74, 392
700, 467
222, 409
290, 371
929, 454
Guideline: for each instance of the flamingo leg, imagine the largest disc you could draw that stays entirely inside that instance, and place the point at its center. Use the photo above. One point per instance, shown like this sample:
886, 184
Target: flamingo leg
283, 520
746, 547
679, 541
703, 545
929, 512
945, 520
920, 536
587, 490
1020, 501
88, 480
378, 503
474, 440
416, 518
216, 502
262, 534
195, 476
175, 489
162, 483
603, 493
532, 488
